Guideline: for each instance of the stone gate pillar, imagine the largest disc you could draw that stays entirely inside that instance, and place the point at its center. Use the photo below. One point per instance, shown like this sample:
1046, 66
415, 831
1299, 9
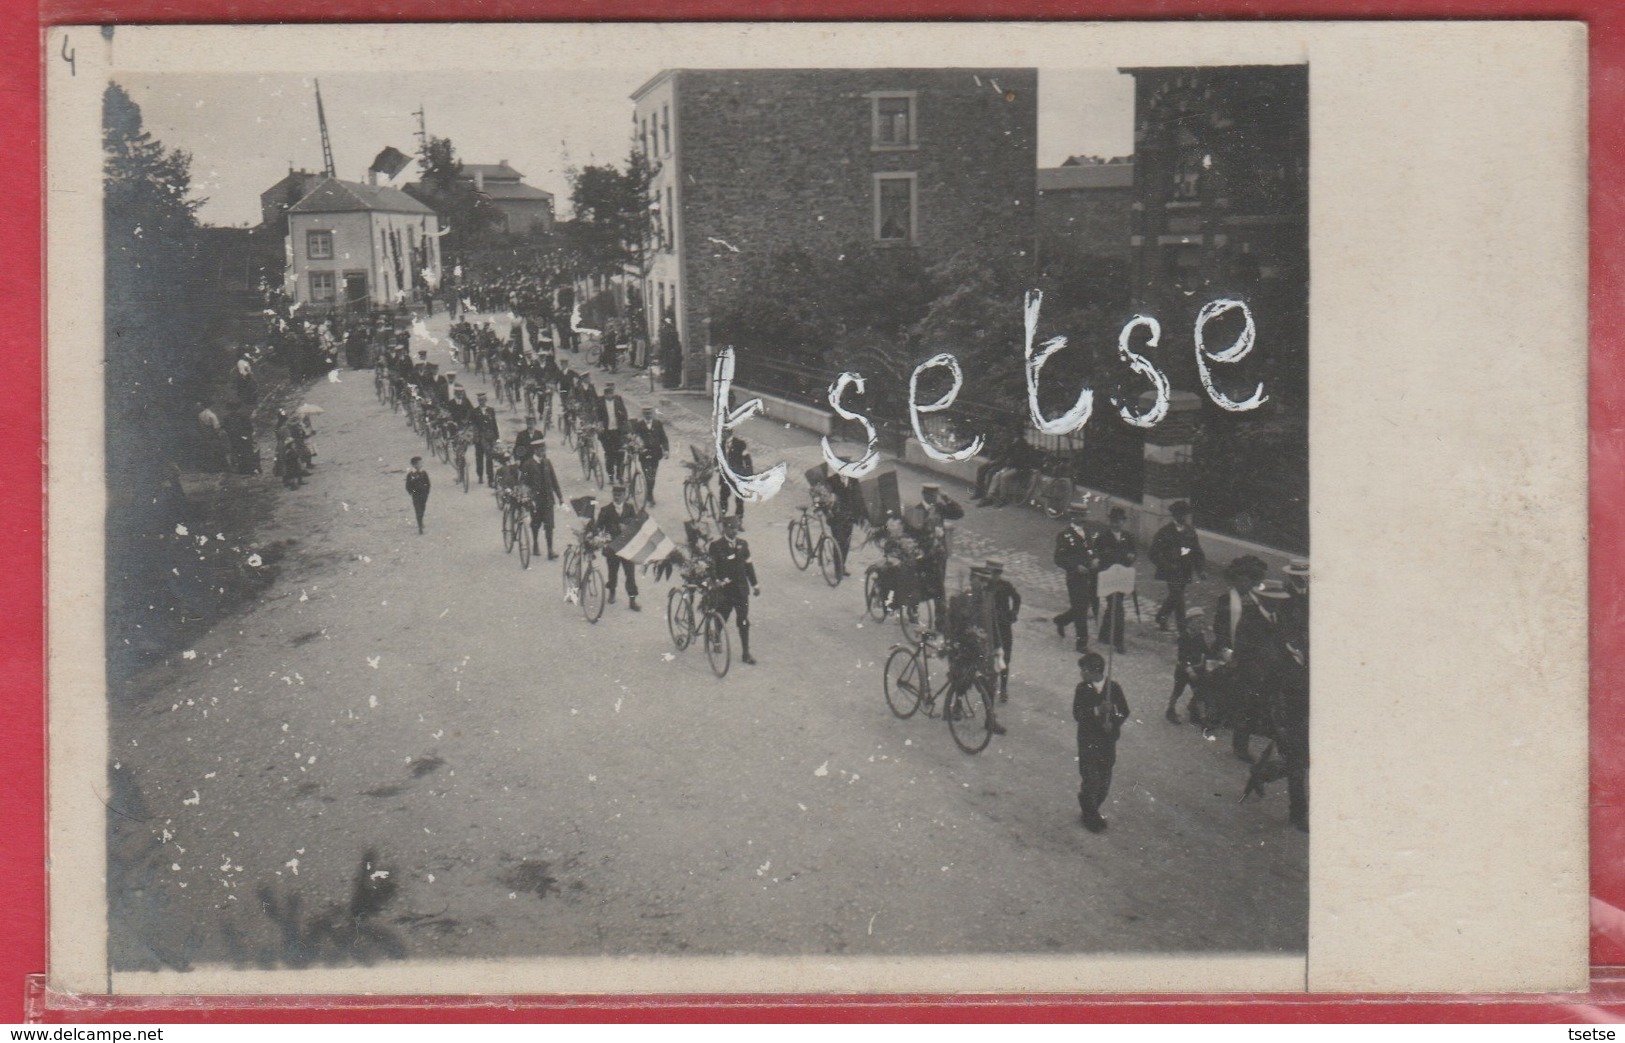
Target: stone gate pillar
1168, 450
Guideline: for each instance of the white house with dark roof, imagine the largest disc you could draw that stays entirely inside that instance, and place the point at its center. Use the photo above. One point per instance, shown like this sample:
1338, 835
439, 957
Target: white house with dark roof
353, 246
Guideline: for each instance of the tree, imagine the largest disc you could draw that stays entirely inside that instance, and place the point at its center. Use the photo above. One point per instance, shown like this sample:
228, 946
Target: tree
157, 315
441, 187
616, 224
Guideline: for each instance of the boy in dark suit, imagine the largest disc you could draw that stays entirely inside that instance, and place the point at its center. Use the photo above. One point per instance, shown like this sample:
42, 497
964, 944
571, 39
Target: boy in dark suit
1099, 709
417, 487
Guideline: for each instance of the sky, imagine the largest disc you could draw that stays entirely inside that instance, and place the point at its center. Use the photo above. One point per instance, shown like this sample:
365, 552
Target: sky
245, 130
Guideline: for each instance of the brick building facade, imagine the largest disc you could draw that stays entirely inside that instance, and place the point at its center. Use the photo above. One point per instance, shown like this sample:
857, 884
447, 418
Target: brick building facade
1221, 209
1085, 208
757, 161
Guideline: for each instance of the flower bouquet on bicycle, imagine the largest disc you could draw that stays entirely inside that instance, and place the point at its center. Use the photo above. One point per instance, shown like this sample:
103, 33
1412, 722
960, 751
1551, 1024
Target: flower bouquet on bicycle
697, 495
896, 585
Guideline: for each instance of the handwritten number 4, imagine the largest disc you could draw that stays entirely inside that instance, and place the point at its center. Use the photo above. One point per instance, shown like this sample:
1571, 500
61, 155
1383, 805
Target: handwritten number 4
68, 56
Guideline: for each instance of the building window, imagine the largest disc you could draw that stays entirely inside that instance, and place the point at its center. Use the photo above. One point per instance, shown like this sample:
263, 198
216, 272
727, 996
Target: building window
665, 123
319, 246
893, 120
323, 288
671, 235
896, 211
643, 137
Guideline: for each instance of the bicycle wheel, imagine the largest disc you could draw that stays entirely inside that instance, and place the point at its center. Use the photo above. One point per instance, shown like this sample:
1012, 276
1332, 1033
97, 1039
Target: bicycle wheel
523, 539
592, 594
592, 353
970, 717
800, 547
462, 472
571, 571
635, 487
917, 619
902, 682
717, 646
874, 599
509, 528
443, 449
569, 433
679, 618
597, 470
692, 501
830, 562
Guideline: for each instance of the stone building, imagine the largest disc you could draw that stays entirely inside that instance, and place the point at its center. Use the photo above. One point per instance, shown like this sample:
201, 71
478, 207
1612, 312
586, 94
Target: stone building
1084, 208
276, 200
353, 246
1221, 210
751, 162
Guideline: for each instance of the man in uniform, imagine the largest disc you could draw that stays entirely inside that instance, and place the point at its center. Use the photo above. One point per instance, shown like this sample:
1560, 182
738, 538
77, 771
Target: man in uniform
460, 409
928, 522
1005, 603
731, 565
1177, 554
485, 436
527, 437
653, 448
740, 463
1258, 650
611, 412
536, 471
613, 518
1099, 709
1076, 558
1115, 546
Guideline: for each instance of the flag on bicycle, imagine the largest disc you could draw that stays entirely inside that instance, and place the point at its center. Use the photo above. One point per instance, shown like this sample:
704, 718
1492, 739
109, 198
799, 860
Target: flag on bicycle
583, 506
643, 545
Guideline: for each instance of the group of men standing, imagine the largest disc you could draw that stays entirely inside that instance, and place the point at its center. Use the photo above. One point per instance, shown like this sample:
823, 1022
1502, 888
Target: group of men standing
1251, 676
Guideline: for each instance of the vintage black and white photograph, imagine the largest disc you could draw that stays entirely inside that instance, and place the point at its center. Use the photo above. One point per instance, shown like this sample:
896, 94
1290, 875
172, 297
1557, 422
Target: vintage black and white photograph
439, 626
663, 510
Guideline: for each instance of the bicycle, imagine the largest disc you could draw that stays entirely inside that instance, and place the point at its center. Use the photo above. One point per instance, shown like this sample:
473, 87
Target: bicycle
380, 381
515, 509
637, 484
907, 685
592, 467
583, 582
698, 498
459, 457
915, 619
682, 614
567, 422
804, 548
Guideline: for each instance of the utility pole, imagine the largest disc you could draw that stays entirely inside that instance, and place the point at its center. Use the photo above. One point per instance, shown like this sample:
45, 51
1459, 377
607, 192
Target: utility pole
327, 147
422, 132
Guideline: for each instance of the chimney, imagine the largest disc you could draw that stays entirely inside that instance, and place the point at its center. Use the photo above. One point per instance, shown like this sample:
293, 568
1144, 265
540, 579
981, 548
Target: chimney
372, 177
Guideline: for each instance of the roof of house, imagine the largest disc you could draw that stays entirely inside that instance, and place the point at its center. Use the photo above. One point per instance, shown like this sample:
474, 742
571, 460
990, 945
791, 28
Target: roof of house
512, 190
294, 177
333, 196
1086, 176
492, 171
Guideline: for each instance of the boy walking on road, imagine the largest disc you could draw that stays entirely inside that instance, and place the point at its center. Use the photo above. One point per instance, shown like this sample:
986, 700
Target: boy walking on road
1099, 709
417, 487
